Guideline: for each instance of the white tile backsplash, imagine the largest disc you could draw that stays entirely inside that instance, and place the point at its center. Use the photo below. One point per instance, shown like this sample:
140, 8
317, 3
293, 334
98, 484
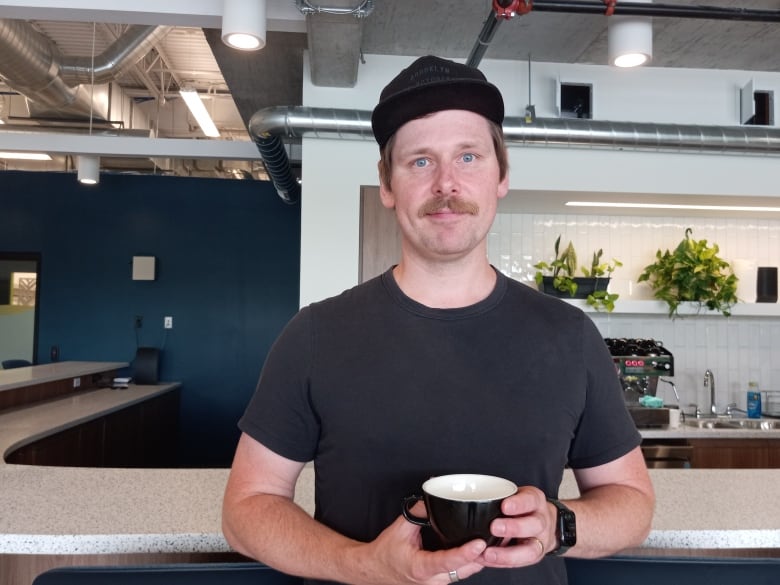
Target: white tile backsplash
736, 349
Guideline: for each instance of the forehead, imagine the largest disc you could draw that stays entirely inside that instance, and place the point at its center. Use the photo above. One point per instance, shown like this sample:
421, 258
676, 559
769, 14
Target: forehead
444, 128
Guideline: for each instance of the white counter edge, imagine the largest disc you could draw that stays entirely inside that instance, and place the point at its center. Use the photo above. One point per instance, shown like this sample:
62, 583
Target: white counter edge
92, 544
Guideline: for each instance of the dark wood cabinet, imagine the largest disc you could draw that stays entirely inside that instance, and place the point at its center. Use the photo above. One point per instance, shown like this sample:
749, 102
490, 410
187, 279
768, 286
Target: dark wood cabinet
730, 454
140, 435
723, 453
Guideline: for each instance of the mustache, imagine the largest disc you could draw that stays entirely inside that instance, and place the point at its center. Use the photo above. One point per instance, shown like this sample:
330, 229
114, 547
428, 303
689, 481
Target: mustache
454, 204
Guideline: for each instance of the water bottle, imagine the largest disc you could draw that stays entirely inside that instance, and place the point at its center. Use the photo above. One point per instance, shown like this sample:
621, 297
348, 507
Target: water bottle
753, 400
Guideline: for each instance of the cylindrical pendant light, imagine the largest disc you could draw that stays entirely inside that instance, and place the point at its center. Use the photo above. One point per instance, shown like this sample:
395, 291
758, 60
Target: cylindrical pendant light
88, 169
630, 39
243, 24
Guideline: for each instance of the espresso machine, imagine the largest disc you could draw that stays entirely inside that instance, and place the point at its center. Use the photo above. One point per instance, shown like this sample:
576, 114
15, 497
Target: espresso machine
639, 363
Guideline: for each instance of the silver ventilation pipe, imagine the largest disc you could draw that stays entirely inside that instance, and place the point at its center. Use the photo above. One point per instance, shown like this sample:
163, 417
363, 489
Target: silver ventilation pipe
33, 65
760, 140
296, 122
28, 129
116, 60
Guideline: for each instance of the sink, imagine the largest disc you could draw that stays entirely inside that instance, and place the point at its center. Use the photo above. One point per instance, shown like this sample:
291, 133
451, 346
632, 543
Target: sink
756, 424
711, 423
733, 423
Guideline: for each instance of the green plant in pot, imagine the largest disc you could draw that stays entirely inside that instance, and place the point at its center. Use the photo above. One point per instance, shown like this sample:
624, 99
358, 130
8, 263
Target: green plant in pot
558, 277
693, 272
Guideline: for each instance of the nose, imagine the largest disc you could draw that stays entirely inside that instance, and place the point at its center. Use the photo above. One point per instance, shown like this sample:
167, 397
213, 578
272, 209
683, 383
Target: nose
445, 182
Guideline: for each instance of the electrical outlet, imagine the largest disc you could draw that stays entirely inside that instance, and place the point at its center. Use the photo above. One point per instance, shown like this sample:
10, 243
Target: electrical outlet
139, 321
76, 382
168, 322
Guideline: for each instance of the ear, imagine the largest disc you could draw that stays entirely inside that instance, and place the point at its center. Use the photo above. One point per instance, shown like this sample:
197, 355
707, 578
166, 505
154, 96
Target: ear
503, 187
385, 194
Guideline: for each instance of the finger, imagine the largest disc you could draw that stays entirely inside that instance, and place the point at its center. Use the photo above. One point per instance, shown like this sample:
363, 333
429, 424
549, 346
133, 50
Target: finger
525, 501
527, 551
464, 559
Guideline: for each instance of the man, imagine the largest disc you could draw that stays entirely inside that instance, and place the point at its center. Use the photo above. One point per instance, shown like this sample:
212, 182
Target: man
441, 365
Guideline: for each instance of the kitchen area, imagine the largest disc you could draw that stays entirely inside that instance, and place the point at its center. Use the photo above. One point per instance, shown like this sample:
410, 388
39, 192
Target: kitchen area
60, 510
715, 470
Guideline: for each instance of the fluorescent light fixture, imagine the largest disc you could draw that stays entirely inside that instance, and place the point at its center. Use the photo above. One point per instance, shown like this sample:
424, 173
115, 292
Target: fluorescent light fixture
88, 169
676, 206
199, 112
630, 39
24, 155
243, 24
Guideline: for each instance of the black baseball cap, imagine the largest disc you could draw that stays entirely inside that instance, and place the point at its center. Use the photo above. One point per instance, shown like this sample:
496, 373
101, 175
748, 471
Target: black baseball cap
432, 84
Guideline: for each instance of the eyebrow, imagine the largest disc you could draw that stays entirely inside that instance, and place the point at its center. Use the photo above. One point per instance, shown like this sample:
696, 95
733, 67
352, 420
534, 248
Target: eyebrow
424, 150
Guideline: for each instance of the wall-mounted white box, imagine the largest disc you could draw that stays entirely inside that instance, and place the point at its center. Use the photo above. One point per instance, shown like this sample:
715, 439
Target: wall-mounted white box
143, 267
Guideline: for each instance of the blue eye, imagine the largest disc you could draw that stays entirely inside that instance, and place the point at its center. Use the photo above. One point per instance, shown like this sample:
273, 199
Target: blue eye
421, 162
468, 157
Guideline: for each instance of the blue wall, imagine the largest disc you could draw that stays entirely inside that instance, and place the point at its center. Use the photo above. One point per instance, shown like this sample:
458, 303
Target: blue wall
227, 271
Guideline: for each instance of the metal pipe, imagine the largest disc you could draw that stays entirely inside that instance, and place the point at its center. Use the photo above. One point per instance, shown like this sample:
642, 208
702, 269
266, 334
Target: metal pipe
295, 122
484, 39
364, 9
660, 10
299, 121
33, 66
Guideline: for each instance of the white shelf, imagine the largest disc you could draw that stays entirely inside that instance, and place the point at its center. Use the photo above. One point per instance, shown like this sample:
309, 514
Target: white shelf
626, 307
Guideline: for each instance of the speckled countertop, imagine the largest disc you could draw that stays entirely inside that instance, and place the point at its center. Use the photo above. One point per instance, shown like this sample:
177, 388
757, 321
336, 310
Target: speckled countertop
685, 431
66, 510
26, 376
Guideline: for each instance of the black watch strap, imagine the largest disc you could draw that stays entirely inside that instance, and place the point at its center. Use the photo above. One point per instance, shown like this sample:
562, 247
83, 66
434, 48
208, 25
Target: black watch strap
565, 528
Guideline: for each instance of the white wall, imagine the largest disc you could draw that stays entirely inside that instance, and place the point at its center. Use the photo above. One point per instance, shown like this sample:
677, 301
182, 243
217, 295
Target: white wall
335, 170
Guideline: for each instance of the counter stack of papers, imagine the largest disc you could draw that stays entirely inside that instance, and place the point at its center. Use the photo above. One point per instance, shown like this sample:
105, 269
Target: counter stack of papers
120, 383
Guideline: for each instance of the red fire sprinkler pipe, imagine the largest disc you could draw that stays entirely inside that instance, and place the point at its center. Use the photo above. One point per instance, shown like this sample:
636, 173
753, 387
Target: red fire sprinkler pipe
507, 9
502, 10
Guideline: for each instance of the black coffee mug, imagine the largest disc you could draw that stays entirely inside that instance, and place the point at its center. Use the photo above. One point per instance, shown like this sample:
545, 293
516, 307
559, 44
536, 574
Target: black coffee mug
461, 507
766, 284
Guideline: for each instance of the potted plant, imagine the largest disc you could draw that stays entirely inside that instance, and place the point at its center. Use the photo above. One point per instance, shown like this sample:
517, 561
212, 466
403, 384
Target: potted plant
693, 272
559, 278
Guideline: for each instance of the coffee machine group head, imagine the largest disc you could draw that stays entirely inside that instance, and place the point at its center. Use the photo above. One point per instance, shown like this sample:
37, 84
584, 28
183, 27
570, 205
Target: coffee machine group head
639, 363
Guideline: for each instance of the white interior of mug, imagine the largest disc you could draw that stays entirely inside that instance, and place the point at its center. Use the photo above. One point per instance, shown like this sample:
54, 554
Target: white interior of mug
469, 487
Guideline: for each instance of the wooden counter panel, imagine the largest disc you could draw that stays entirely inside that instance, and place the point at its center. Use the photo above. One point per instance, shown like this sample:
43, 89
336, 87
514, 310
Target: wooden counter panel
22, 569
736, 454
27, 395
140, 435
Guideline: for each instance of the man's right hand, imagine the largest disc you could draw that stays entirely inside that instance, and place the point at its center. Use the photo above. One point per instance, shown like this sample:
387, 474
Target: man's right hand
396, 556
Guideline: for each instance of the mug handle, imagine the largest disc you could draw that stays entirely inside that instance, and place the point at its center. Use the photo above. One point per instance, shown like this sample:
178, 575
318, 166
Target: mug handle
410, 501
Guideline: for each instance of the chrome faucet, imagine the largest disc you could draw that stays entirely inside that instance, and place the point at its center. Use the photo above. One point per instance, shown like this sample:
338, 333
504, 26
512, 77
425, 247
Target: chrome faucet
709, 382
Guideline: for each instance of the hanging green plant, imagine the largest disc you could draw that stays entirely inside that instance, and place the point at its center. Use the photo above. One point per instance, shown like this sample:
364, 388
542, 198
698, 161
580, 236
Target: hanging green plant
558, 277
693, 272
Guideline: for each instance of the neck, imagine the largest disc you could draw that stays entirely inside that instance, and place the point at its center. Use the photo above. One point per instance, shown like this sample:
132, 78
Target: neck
445, 286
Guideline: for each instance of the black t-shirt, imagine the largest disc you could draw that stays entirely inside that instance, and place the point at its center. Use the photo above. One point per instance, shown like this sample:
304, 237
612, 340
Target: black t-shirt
382, 392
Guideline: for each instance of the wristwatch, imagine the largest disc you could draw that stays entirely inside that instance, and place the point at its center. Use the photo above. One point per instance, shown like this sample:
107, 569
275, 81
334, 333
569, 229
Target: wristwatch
565, 528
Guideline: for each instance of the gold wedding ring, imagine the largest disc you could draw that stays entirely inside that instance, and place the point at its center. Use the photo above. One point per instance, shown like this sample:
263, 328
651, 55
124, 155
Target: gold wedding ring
539, 542
454, 576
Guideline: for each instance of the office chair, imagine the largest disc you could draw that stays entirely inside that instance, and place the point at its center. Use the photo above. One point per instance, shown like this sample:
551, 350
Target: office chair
146, 365
11, 364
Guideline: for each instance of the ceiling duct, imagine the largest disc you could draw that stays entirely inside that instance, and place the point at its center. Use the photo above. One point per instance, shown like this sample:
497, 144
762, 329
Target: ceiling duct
335, 35
20, 129
295, 122
54, 85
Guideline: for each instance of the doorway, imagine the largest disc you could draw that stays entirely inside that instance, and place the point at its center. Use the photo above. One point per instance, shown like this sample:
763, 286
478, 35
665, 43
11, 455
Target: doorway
19, 293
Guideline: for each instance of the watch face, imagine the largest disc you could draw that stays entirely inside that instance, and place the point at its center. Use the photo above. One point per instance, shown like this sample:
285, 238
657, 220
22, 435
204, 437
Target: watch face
568, 528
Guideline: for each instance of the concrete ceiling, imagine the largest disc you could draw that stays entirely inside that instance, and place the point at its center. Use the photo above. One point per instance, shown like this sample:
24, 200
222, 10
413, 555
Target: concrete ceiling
237, 84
